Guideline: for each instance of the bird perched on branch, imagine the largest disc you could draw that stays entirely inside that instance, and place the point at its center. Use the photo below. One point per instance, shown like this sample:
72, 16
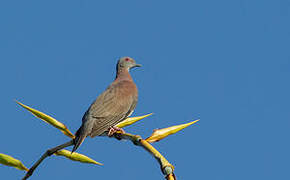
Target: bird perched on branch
114, 105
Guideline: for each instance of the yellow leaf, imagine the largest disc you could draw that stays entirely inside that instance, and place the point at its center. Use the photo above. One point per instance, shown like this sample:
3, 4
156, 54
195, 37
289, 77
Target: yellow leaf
10, 161
131, 120
159, 134
76, 157
50, 120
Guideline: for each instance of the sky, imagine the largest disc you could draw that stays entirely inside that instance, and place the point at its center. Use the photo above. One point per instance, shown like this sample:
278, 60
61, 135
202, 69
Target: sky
224, 62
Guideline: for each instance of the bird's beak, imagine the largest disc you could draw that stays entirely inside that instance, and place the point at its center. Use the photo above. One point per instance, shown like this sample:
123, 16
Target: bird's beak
137, 65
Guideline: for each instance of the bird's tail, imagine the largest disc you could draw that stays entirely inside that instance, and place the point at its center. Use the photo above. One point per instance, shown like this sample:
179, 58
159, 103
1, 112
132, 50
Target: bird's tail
80, 137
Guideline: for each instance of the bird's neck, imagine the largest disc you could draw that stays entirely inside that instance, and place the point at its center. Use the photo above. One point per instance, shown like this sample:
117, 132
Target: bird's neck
123, 74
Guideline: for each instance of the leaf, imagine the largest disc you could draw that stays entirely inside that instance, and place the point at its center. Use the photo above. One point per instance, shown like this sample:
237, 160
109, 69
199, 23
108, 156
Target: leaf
131, 120
159, 134
50, 120
10, 161
76, 157
171, 177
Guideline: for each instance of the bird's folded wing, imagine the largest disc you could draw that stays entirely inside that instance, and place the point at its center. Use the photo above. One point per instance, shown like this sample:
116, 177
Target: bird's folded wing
111, 107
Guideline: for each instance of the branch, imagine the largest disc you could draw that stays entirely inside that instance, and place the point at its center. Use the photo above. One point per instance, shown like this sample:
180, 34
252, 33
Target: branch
166, 168
45, 155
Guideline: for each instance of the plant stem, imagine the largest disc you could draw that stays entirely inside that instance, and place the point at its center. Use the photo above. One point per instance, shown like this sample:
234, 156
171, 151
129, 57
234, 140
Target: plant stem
45, 155
166, 168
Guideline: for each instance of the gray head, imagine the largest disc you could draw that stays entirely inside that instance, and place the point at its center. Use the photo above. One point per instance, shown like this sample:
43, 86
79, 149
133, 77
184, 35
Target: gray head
126, 63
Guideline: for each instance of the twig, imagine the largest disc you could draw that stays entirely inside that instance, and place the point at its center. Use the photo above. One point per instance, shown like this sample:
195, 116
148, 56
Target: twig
45, 155
166, 168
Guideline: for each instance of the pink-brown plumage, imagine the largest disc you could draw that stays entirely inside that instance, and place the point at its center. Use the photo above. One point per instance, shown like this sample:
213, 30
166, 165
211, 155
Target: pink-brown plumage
114, 105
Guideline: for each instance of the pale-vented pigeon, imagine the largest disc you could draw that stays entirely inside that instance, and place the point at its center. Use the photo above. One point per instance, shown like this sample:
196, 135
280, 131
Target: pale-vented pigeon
114, 105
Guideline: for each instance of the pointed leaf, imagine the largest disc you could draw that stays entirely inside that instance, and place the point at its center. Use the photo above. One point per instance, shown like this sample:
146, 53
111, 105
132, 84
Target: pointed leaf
159, 134
50, 120
10, 161
76, 157
131, 120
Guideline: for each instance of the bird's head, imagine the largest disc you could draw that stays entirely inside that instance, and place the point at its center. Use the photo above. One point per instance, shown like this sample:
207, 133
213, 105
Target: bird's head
127, 63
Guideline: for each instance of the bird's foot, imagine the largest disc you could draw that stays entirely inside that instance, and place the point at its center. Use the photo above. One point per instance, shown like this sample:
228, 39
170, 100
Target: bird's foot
114, 129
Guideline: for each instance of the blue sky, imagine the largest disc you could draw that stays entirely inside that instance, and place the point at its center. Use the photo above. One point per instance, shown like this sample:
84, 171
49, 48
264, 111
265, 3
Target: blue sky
226, 62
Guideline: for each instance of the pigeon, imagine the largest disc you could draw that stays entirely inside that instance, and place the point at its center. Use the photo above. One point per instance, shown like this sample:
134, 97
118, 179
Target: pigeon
114, 105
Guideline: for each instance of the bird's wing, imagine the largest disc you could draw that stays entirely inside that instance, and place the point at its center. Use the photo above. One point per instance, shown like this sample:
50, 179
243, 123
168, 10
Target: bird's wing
111, 107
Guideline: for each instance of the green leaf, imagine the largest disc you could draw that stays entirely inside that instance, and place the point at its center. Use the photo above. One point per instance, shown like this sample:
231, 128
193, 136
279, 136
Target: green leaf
76, 157
10, 161
131, 120
48, 119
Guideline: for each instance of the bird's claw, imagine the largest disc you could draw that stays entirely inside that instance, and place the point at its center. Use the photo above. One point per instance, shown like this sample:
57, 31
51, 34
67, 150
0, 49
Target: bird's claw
114, 129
